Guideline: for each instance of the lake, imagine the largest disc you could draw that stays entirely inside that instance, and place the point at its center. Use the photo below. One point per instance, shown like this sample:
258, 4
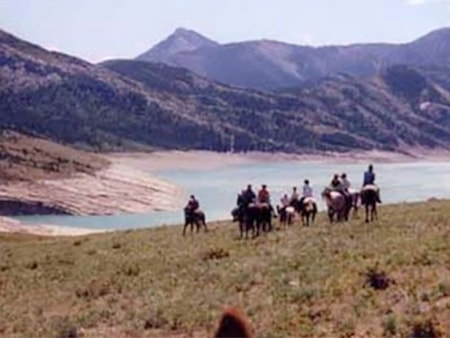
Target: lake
217, 189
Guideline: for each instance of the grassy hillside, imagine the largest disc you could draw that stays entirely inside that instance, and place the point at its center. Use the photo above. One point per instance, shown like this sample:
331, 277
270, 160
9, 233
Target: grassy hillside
29, 158
388, 278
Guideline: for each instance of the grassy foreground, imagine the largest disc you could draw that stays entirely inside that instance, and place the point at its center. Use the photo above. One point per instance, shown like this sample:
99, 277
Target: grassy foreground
389, 278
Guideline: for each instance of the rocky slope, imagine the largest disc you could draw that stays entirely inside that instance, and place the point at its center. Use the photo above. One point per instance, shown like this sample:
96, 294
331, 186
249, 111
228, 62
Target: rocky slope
269, 64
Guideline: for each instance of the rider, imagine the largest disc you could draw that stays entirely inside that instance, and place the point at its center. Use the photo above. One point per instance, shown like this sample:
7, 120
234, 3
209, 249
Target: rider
307, 191
285, 201
345, 183
193, 205
335, 183
248, 195
294, 196
240, 202
369, 179
345, 186
264, 195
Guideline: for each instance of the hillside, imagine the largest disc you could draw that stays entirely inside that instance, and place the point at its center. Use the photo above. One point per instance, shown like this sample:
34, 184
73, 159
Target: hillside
337, 113
77, 103
387, 279
267, 64
129, 105
24, 158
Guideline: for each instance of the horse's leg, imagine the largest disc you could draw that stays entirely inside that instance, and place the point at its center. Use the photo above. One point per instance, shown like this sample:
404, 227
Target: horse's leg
367, 212
184, 228
330, 215
203, 221
374, 211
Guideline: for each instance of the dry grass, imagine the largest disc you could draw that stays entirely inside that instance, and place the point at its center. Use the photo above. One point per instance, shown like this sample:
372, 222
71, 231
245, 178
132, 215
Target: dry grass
30, 158
390, 278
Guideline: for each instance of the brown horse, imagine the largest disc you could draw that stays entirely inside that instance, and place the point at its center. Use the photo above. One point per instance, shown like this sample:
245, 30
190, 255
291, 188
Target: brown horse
308, 211
369, 198
336, 204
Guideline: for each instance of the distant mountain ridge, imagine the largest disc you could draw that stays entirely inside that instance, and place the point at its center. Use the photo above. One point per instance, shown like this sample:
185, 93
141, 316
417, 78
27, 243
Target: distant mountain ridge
272, 65
129, 105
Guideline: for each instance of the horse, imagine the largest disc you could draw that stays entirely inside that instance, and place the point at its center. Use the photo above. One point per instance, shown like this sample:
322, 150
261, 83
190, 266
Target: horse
192, 218
308, 211
241, 215
355, 196
369, 198
336, 203
258, 216
286, 214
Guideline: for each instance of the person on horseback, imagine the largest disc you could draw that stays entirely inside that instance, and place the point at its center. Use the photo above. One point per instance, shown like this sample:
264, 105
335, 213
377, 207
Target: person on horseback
294, 196
345, 186
193, 205
264, 195
345, 183
307, 190
248, 196
307, 193
240, 198
369, 176
335, 183
285, 201
369, 179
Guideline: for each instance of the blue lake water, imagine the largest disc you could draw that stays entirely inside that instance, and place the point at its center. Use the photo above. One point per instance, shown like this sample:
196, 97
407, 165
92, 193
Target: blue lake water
217, 189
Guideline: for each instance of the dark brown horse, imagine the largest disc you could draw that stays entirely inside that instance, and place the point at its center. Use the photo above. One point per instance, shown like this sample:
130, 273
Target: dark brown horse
369, 198
192, 218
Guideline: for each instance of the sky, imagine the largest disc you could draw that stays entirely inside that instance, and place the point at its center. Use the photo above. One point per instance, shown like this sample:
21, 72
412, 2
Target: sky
96, 30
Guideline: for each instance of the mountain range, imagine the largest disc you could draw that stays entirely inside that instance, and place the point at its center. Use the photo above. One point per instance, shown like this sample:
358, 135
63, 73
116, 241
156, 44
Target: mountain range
269, 65
132, 104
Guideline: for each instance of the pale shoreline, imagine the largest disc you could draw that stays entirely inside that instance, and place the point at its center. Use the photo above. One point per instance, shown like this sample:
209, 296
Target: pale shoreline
114, 190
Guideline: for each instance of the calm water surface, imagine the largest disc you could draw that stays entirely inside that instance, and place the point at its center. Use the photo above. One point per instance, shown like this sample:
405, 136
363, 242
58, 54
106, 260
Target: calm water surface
217, 189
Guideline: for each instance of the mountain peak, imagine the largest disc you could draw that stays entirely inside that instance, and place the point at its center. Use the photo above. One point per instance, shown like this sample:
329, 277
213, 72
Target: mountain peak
181, 40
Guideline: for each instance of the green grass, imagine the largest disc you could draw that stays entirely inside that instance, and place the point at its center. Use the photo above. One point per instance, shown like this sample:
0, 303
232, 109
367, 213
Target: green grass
299, 282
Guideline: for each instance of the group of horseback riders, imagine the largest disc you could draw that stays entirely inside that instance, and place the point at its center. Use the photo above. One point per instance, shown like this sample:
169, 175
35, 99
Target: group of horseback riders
248, 199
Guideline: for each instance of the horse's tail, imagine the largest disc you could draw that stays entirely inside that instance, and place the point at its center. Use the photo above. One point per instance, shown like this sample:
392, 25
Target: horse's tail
233, 324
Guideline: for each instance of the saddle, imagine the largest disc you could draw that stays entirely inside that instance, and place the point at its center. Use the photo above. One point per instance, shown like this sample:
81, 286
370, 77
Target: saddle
309, 200
372, 187
352, 191
335, 194
290, 210
263, 205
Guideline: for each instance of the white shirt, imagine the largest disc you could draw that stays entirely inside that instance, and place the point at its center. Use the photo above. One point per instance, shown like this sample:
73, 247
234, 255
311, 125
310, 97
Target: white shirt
285, 201
345, 184
307, 191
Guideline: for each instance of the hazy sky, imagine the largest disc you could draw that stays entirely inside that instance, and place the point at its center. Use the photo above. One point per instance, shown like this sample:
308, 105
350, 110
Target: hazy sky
100, 29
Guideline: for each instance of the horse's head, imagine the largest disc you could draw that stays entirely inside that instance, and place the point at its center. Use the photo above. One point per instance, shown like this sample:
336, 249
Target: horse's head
233, 324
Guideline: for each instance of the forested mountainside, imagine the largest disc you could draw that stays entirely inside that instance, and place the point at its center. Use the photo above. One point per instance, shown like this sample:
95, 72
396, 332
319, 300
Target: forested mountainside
140, 105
